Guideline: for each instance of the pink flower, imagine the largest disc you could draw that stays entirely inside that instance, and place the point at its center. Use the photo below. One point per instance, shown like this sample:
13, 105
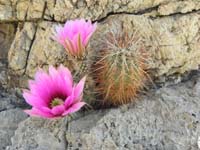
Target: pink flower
54, 94
74, 36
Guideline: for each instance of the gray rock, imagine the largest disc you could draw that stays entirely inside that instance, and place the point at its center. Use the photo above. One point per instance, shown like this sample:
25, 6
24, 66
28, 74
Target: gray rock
11, 99
166, 119
7, 32
9, 122
39, 134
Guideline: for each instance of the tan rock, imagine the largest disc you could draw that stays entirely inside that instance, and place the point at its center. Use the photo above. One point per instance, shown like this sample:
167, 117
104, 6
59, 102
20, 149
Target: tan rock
179, 7
44, 51
173, 41
6, 10
7, 33
61, 10
20, 48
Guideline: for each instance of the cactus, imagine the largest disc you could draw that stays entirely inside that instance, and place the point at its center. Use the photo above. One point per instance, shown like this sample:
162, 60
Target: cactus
119, 72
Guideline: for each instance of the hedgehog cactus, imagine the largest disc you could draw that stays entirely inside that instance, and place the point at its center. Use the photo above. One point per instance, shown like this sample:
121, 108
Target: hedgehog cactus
120, 69
74, 36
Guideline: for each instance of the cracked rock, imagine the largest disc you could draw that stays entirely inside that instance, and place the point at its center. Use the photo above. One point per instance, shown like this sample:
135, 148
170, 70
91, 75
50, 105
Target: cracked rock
9, 122
166, 119
11, 99
173, 40
60, 10
173, 43
20, 48
39, 134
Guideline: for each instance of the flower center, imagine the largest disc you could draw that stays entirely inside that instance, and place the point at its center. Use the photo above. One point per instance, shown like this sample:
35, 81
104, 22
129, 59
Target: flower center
56, 102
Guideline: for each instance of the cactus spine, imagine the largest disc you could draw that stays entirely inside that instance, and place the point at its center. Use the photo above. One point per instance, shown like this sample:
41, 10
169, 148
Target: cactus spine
120, 67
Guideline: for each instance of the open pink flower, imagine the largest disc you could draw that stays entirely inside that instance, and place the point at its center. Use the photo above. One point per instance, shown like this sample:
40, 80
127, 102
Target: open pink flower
54, 94
74, 36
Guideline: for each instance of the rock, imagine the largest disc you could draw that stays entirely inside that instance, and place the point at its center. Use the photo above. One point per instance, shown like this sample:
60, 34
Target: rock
173, 43
60, 10
39, 134
51, 53
35, 48
166, 119
9, 122
178, 7
7, 33
20, 48
11, 99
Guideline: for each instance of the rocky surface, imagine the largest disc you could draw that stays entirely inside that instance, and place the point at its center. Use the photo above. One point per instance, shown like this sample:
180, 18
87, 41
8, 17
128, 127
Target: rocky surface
165, 119
10, 116
171, 34
168, 118
60, 10
7, 33
39, 134
9, 123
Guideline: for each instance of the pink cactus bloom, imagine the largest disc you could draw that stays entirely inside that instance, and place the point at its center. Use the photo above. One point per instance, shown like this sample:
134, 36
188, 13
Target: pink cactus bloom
54, 94
74, 36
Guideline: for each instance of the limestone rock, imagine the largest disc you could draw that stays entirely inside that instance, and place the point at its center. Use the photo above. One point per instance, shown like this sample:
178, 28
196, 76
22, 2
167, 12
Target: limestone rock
175, 38
11, 99
60, 10
9, 122
166, 119
44, 51
179, 7
7, 33
173, 43
39, 134
20, 48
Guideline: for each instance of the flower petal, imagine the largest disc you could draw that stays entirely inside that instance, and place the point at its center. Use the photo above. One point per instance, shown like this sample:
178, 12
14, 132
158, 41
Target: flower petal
39, 113
68, 35
33, 100
58, 110
39, 90
89, 34
69, 100
74, 108
65, 72
62, 78
79, 88
60, 84
44, 84
57, 84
